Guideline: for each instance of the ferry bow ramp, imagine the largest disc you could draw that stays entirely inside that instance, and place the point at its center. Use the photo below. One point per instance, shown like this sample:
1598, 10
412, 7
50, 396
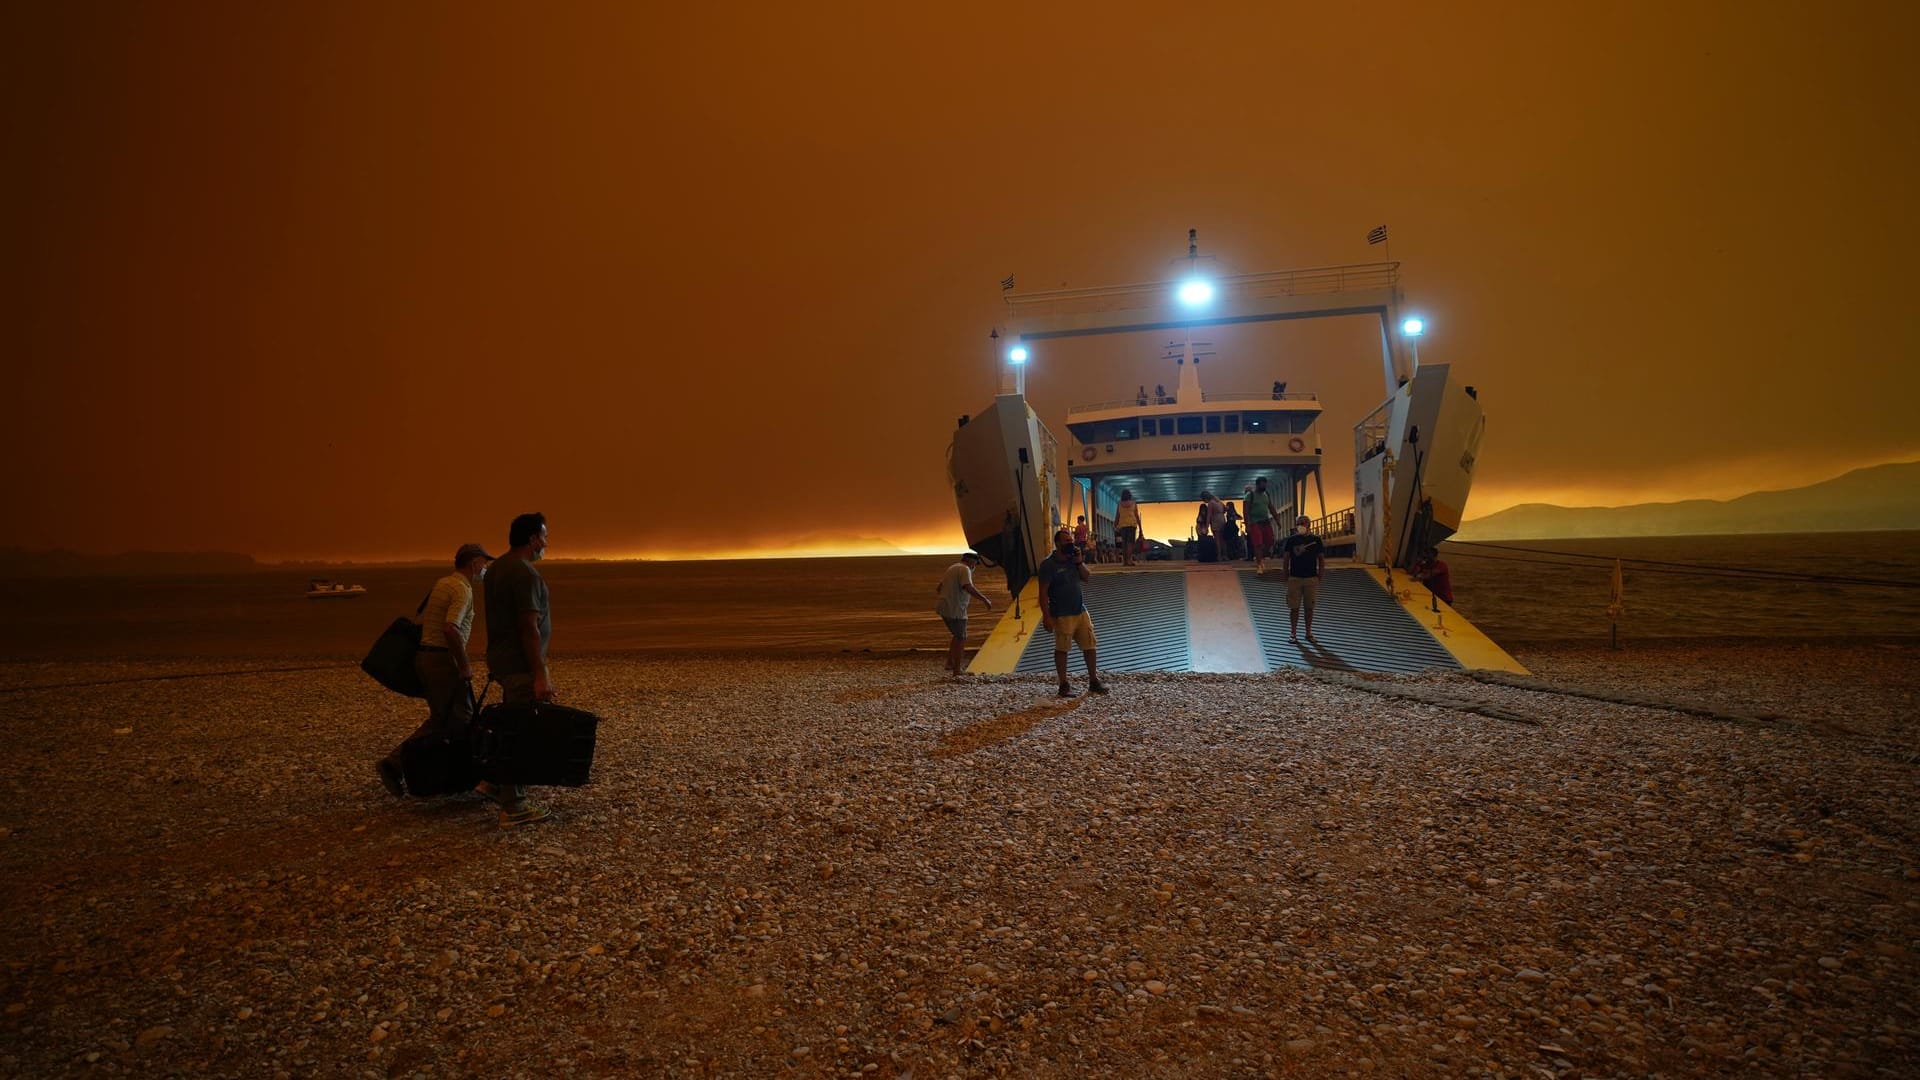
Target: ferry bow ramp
1218, 617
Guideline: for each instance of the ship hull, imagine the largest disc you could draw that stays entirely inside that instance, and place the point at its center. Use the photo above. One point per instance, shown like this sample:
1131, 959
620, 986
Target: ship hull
1002, 467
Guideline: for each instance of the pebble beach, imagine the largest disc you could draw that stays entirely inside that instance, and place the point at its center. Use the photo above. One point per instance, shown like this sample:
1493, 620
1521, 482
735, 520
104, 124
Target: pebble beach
853, 866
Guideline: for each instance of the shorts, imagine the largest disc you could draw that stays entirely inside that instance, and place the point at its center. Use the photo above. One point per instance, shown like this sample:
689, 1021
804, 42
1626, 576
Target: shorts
1260, 537
1068, 629
1300, 589
1128, 533
956, 627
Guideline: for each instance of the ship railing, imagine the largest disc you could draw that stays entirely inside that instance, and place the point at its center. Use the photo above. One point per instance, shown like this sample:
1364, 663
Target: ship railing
1289, 396
1135, 403
1124, 403
1370, 434
1317, 280
1338, 523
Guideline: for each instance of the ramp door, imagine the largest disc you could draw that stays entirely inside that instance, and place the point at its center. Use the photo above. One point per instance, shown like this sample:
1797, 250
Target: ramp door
1359, 626
1141, 623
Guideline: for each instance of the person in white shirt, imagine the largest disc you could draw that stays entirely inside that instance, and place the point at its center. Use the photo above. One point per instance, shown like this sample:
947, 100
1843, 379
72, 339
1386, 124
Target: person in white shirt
956, 585
445, 670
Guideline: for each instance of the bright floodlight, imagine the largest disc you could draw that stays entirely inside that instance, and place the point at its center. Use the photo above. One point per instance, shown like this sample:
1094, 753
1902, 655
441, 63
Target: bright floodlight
1413, 327
1195, 292
1017, 354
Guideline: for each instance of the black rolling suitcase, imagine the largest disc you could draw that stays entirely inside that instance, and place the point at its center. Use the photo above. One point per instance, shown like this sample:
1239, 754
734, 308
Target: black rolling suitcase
1209, 549
537, 744
442, 766
438, 767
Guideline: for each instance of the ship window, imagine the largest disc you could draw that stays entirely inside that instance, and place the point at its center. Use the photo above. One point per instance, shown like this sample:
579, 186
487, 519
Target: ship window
1267, 423
1189, 425
1123, 431
1233, 421
1146, 426
1213, 425
1082, 432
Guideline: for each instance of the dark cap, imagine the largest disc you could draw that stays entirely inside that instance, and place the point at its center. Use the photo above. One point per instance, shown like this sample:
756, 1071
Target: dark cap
468, 551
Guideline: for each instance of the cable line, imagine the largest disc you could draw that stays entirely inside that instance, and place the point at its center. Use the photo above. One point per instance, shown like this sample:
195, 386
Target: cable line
1659, 566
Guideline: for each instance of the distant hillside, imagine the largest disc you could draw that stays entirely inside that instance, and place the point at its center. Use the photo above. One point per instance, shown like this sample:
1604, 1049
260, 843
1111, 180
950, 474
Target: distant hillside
19, 563
1864, 500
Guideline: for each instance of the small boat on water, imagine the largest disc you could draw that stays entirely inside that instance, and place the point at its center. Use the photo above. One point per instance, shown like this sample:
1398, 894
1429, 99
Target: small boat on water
322, 589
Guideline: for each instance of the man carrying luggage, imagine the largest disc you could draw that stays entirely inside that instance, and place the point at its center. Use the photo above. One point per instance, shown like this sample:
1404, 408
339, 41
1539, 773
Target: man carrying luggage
518, 628
1063, 610
442, 663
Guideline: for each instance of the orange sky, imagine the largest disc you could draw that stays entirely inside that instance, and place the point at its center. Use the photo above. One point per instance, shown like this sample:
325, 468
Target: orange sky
365, 280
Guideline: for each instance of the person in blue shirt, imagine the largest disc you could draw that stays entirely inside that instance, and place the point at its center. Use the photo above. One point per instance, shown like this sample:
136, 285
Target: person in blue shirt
1063, 610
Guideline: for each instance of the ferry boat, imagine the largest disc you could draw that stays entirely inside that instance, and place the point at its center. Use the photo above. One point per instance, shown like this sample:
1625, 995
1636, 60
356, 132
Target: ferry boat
1414, 458
1176, 447
322, 589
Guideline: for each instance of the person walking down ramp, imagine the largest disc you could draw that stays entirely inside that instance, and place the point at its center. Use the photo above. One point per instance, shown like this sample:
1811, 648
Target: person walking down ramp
1126, 526
446, 672
1063, 610
1259, 503
1303, 558
956, 585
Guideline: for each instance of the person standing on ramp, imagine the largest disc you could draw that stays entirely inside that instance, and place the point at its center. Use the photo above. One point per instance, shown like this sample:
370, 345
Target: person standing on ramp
1063, 610
1303, 559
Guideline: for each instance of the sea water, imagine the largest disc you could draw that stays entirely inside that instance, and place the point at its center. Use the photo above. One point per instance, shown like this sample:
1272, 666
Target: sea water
813, 606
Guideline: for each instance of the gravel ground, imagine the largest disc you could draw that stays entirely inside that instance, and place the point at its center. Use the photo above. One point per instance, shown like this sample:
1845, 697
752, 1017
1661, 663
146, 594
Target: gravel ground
853, 867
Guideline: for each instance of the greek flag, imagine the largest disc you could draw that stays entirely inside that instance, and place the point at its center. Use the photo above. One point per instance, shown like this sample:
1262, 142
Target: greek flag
1006, 283
1377, 236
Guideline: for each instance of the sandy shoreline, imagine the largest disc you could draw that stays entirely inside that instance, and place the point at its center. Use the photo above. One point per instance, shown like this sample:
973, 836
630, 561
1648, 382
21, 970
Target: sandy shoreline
849, 867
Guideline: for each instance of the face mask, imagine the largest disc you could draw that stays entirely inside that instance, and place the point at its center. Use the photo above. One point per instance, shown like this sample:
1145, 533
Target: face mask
542, 553
1301, 529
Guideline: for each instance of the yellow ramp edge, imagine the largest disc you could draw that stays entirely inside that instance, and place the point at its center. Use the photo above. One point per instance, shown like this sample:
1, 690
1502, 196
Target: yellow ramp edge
1475, 650
1000, 653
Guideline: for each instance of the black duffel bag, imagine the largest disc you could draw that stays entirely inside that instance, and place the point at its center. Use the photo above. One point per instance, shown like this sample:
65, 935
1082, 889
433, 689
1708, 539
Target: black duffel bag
390, 661
535, 744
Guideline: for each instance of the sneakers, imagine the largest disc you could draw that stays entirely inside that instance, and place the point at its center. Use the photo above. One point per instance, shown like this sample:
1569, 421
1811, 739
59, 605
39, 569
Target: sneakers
1096, 686
391, 779
526, 815
1066, 690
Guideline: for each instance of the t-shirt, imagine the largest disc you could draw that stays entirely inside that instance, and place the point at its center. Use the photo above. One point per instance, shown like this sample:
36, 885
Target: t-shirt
1080, 533
1128, 516
1060, 580
450, 602
1302, 552
514, 587
1259, 506
953, 591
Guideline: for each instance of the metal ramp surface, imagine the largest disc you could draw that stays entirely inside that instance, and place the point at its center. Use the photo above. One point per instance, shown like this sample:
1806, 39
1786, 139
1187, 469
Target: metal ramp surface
1361, 627
1139, 619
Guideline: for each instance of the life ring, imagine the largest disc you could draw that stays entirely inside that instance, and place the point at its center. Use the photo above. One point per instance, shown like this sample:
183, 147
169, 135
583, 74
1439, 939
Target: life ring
1297, 445
1087, 454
